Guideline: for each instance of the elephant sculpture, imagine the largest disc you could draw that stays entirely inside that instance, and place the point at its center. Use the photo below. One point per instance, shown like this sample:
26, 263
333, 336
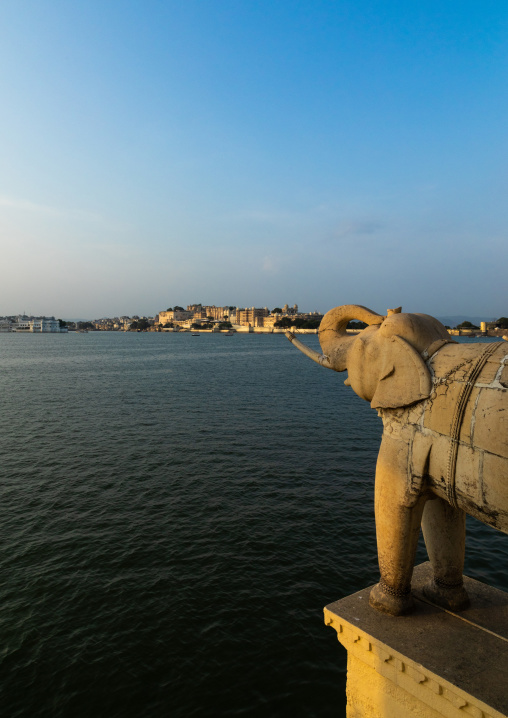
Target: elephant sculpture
444, 449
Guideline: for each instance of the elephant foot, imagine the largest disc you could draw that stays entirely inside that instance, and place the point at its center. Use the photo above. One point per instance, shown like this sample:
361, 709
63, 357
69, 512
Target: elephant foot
386, 599
452, 598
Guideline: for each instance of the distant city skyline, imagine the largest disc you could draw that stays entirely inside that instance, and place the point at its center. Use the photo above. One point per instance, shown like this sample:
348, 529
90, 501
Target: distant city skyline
329, 153
448, 320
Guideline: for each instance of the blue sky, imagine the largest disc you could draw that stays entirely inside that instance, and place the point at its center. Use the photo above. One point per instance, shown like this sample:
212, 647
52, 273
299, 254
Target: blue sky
253, 153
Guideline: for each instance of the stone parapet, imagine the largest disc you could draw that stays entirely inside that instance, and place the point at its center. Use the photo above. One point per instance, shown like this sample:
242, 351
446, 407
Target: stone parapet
429, 664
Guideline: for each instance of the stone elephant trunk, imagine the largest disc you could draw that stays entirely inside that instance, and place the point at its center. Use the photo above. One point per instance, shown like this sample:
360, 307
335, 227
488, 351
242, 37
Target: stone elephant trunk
444, 449
333, 337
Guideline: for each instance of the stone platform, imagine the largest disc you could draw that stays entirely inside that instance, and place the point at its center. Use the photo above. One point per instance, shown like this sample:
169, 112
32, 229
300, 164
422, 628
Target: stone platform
430, 664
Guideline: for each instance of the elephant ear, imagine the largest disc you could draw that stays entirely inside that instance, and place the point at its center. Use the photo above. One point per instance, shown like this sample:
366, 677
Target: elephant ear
404, 378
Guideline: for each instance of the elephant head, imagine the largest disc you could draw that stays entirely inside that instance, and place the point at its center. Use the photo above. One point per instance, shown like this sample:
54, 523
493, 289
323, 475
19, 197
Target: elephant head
386, 360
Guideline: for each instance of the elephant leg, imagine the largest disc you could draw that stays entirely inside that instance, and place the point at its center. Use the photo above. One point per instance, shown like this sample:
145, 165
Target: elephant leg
397, 529
444, 530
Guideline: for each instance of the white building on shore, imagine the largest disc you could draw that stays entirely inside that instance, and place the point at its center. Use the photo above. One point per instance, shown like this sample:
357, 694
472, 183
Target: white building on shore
37, 325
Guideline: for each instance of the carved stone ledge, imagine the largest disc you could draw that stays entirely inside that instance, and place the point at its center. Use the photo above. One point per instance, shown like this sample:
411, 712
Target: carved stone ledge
433, 663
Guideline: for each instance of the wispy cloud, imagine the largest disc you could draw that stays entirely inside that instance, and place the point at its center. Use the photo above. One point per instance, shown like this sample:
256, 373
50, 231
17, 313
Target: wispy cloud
324, 218
356, 228
24, 205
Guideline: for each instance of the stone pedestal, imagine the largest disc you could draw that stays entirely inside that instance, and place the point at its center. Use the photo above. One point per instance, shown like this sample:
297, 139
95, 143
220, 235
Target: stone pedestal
430, 664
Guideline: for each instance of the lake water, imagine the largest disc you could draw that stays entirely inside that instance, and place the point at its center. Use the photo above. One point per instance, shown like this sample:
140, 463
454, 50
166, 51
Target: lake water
175, 513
